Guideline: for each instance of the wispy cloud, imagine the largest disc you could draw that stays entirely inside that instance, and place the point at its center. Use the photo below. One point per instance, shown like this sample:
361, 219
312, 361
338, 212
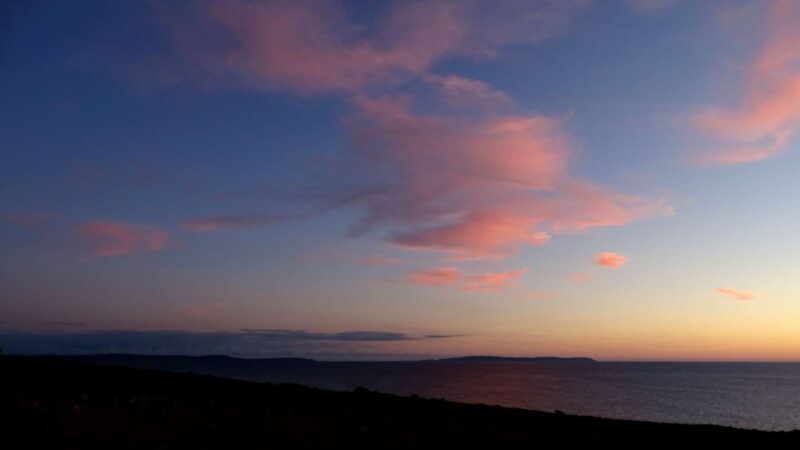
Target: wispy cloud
443, 336
745, 153
217, 222
492, 283
611, 260
737, 294
482, 182
315, 47
478, 187
464, 92
440, 276
484, 283
580, 277
762, 126
117, 238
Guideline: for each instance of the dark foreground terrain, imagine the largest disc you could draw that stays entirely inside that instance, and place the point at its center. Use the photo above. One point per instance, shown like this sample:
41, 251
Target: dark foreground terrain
57, 403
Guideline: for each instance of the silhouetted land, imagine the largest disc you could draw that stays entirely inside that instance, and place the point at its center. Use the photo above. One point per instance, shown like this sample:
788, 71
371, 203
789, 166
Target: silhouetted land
58, 403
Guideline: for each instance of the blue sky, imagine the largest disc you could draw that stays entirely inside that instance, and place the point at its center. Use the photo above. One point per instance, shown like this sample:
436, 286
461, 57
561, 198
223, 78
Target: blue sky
612, 179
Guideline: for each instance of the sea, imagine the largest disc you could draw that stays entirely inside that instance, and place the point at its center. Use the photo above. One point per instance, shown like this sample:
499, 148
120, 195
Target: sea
763, 396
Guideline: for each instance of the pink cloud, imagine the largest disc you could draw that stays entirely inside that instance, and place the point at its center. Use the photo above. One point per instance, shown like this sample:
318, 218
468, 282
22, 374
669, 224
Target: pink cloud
464, 92
484, 283
317, 46
533, 155
478, 234
476, 187
116, 239
219, 222
742, 154
580, 277
769, 115
610, 259
441, 276
492, 283
583, 205
737, 294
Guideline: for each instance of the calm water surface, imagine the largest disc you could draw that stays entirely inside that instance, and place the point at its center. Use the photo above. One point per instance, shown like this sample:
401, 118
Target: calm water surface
749, 395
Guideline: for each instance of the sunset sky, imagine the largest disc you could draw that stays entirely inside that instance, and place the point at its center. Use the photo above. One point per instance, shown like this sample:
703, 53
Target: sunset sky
615, 179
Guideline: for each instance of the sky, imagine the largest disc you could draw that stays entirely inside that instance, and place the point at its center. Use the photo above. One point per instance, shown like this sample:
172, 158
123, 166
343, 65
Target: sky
401, 179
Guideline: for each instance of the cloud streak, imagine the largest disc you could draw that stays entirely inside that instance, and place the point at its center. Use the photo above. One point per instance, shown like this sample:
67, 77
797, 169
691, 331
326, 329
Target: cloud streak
475, 187
762, 126
316, 46
482, 181
218, 222
118, 239
492, 283
440, 276
580, 277
463, 92
737, 294
482, 283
